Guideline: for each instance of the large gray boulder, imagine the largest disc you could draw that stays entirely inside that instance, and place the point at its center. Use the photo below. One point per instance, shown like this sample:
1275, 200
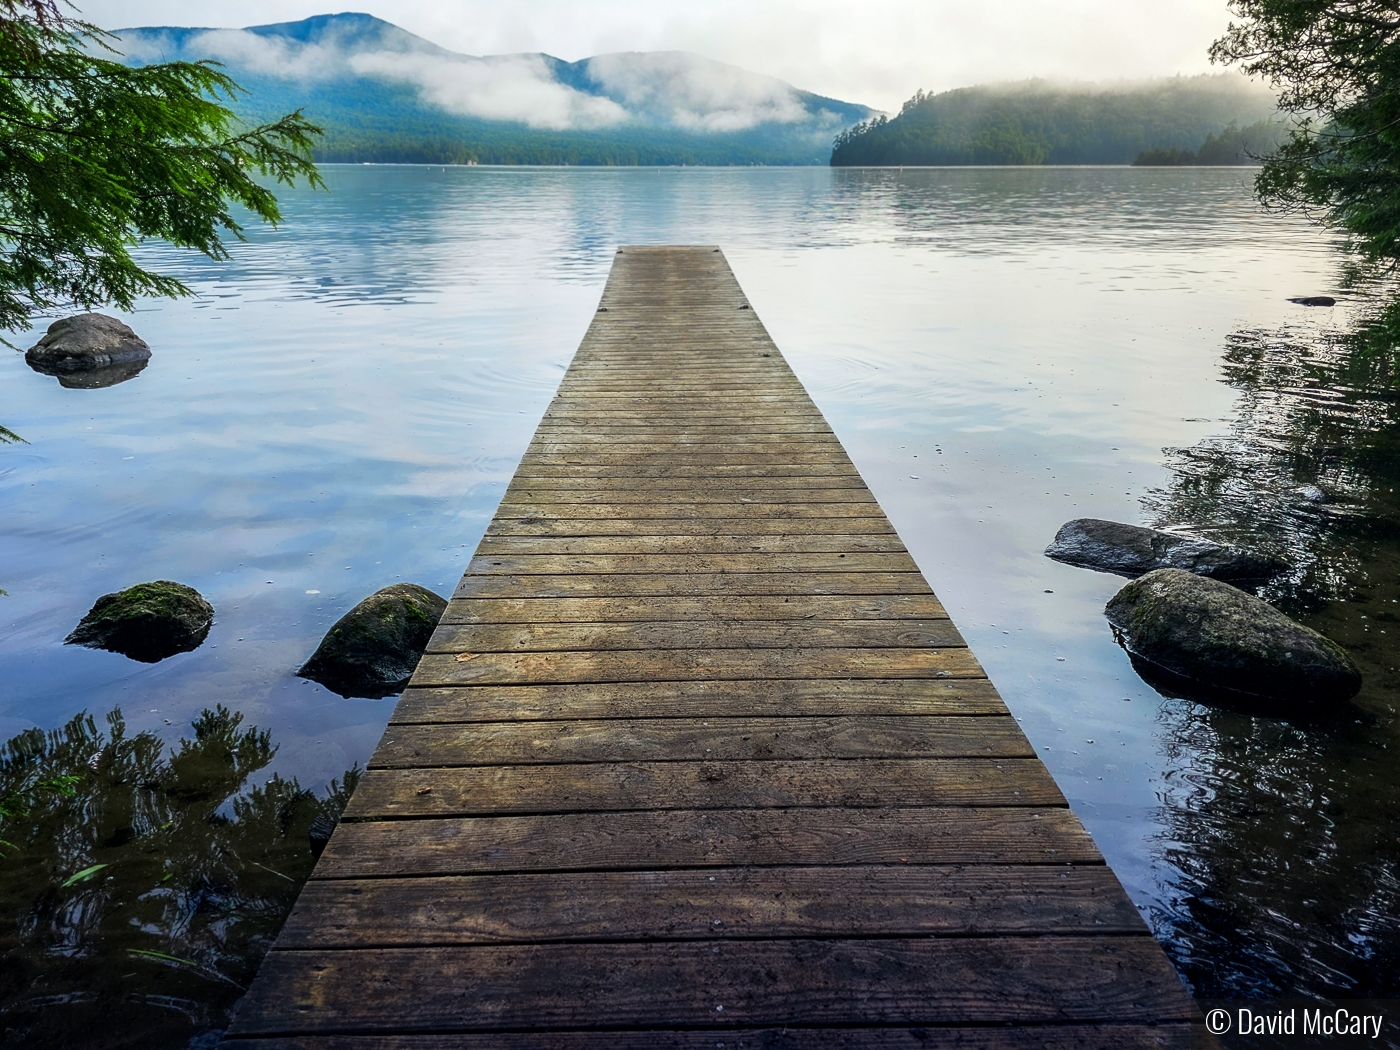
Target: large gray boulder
89, 350
374, 648
1131, 550
1225, 639
147, 622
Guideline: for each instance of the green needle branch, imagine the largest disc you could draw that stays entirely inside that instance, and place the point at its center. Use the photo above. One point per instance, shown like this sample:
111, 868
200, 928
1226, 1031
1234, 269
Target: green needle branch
97, 156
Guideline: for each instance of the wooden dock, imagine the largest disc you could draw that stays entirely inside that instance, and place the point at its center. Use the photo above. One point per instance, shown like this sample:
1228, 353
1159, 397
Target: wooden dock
697, 759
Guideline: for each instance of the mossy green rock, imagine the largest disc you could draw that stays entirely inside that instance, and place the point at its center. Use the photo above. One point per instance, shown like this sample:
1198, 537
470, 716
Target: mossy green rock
374, 648
1220, 636
147, 622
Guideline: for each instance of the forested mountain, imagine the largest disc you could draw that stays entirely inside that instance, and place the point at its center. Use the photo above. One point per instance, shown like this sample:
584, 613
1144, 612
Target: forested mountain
1036, 122
386, 95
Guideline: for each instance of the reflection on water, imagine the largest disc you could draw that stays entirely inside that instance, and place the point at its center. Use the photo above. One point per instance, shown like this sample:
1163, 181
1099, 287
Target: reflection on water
140, 887
96, 378
1282, 841
1283, 836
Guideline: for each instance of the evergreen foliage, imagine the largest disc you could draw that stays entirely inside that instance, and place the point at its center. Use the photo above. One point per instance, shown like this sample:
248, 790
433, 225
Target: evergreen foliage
96, 156
1171, 157
1039, 123
1337, 64
1234, 145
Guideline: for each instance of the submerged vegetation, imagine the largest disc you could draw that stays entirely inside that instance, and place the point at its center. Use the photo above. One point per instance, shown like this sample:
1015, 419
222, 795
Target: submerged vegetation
1037, 122
140, 886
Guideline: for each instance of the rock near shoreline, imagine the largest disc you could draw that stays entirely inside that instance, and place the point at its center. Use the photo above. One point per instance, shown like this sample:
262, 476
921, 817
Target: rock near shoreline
148, 622
1131, 550
1224, 639
89, 350
373, 650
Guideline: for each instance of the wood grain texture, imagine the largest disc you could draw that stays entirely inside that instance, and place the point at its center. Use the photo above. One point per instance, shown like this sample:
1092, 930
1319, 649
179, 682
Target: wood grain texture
729, 739
690, 634
924, 1037
724, 903
485, 790
625, 700
705, 664
701, 608
706, 838
515, 545
696, 758
663, 585
836, 982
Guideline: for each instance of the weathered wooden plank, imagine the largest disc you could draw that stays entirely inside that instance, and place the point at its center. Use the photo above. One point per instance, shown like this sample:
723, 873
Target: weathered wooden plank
487, 790
723, 903
702, 700
735, 434
700, 664
560, 524
1109, 1036
677, 403
703, 413
646, 564
498, 544
637, 585
793, 476
731, 739
773, 513
586, 423
990, 979
844, 483
689, 634
698, 457
887, 607
582, 410
751, 447
637, 841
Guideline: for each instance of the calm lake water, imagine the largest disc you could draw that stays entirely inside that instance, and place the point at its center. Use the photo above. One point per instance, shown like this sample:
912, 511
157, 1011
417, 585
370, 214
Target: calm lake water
1000, 350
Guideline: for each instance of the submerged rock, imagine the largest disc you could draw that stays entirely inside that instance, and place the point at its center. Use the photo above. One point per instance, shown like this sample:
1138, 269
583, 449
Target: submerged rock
1131, 550
1314, 300
147, 622
374, 648
1225, 639
84, 345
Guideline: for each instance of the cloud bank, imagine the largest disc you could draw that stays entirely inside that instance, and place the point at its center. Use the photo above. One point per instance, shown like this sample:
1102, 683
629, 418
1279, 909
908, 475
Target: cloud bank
694, 93
519, 88
512, 87
672, 89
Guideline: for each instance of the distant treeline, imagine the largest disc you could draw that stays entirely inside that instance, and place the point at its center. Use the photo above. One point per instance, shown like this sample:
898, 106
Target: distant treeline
515, 144
1039, 123
1234, 145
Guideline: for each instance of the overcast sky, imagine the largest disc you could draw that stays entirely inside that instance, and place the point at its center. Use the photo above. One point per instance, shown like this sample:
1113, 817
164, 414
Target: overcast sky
877, 51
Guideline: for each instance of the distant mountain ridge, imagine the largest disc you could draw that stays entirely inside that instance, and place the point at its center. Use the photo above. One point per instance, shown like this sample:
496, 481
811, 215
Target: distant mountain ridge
384, 94
1038, 122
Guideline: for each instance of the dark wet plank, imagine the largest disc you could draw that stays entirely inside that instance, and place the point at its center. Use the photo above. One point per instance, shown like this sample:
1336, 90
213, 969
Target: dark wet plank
1026, 980
483, 790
